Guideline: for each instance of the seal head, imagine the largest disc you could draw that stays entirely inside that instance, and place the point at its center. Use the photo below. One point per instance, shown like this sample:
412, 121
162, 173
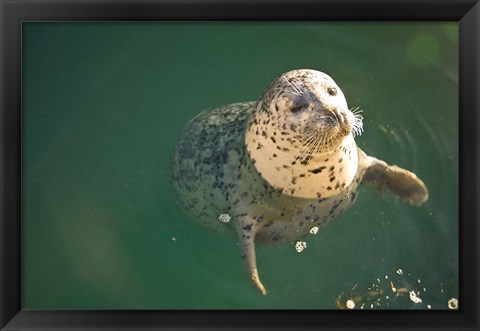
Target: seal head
300, 128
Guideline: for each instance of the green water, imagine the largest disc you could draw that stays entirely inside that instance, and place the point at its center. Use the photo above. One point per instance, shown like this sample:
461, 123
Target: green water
103, 106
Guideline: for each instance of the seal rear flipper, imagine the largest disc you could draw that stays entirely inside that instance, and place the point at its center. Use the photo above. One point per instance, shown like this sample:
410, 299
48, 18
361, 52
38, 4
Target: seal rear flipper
402, 182
245, 228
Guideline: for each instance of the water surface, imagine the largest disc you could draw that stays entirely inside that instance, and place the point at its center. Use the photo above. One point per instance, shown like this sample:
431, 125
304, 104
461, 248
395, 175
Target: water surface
103, 106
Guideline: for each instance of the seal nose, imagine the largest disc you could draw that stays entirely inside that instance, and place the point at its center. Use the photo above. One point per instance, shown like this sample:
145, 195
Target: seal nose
338, 115
330, 117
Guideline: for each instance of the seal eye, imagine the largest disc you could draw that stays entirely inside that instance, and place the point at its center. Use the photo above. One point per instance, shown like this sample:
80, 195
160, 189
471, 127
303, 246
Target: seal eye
332, 91
296, 109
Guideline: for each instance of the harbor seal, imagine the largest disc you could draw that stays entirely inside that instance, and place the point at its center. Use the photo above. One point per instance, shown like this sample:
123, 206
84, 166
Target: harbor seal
271, 170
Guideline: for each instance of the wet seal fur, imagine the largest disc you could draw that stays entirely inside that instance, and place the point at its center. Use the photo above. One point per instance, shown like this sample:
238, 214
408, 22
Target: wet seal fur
281, 165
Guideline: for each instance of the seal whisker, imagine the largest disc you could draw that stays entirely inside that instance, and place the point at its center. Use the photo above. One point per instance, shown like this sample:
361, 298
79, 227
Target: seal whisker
356, 110
323, 141
314, 145
311, 147
300, 153
357, 125
296, 90
302, 150
314, 149
309, 138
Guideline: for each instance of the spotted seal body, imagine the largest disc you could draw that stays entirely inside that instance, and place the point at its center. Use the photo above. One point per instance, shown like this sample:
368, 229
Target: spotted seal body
281, 165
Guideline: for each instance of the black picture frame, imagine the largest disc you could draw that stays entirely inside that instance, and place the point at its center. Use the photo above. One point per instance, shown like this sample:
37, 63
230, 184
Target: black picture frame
14, 12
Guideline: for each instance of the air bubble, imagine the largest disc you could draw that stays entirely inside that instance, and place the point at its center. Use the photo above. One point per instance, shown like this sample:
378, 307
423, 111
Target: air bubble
350, 304
300, 246
414, 298
453, 303
225, 218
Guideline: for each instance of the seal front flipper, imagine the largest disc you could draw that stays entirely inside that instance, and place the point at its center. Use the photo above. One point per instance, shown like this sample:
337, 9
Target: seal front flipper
402, 182
245, 227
